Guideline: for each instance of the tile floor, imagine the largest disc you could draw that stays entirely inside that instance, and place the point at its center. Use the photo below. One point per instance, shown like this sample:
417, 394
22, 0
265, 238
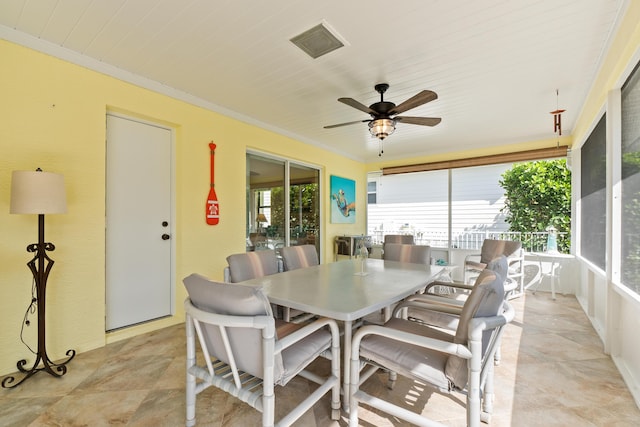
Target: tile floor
553, 373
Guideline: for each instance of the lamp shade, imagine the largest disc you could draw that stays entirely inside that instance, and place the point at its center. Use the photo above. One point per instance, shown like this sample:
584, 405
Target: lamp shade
37, 192
262, 218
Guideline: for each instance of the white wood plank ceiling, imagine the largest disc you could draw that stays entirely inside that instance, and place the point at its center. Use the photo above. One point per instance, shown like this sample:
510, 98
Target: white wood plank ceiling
495, 64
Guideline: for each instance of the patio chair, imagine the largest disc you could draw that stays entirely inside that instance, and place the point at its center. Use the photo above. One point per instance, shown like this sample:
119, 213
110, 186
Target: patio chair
415, 254
295, 257
447, 362
301, 256
249, 265
404, 239
491, 249
245, 356
444, 312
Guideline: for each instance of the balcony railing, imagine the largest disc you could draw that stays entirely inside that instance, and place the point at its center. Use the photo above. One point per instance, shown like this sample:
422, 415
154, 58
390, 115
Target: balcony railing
535, 241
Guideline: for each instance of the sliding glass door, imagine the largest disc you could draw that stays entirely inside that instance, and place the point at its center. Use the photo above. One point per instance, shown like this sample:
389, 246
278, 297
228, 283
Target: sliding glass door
283, 203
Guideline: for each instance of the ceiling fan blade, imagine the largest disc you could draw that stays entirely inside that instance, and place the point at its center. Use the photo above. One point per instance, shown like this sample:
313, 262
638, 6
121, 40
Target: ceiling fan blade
346, 124
422, 121
357, 105
415, 101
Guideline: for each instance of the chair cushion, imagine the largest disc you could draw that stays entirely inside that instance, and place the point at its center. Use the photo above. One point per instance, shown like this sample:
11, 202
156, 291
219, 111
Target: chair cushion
234, 300
406, 239
296, 357
500, 266
416, 254
250, 265
486, 299
409, 360
302, 256
492, 249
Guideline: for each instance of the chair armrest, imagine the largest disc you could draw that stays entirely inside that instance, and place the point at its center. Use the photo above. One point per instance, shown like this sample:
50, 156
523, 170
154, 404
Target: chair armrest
472, 258
409, 338
457, 285
307, 330
433, 301
479, 324
440, 316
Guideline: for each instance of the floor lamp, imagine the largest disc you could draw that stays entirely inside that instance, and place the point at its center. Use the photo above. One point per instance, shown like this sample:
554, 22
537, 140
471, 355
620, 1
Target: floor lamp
38, 192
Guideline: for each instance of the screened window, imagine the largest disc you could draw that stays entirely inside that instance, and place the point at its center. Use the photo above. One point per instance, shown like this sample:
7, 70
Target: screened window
630, 222
593, 198
443, 208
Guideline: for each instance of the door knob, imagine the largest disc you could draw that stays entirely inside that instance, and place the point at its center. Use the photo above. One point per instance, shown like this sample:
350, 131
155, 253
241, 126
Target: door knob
165, 237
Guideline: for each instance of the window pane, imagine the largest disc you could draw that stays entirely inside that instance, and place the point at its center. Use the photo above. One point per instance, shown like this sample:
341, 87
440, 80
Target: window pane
476, 201
593, 198
265, 202
630, 267
304, 211
412, 203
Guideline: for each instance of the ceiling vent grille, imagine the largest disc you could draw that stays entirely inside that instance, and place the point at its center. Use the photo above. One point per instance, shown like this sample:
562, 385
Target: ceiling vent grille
317, 41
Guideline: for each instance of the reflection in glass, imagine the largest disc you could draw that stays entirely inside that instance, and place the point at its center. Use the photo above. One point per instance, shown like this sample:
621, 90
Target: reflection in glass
280, 211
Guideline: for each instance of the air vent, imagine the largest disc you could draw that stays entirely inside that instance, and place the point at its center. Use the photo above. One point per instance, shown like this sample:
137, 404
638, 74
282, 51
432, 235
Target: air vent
317, 41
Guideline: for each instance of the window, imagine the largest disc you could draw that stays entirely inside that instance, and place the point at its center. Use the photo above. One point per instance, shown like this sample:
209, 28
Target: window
441, 208
447, 208
593, 197
283, 203
630, 184
372, 187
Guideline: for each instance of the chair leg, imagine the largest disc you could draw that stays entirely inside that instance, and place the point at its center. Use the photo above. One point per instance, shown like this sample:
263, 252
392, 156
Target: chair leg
497, 358
335, 369
353, 388
393, 376
191, 379
488, 395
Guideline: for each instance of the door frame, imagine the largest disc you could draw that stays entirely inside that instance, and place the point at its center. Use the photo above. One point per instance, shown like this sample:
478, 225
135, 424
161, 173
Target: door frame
172, 212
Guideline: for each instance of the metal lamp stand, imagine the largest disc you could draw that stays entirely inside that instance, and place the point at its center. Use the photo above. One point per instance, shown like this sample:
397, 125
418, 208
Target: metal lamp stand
40, 267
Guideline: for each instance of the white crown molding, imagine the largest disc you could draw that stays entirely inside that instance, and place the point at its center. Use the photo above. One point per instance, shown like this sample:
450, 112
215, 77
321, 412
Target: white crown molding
61, 52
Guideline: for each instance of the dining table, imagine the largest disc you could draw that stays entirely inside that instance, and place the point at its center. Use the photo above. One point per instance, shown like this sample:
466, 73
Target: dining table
347, 291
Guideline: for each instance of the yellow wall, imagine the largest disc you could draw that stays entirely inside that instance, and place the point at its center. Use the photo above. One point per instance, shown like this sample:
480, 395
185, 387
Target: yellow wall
623, 48
53, 117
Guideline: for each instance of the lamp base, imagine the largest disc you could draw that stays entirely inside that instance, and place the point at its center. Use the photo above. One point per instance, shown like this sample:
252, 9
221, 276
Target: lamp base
55, 369
40, 267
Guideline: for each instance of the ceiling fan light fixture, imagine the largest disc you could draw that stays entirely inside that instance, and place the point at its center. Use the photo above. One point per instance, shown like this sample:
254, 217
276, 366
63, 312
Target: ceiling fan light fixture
382, 128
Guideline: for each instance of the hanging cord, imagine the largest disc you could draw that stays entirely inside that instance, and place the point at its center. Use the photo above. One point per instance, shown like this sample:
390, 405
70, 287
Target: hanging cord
558, 109
31, 309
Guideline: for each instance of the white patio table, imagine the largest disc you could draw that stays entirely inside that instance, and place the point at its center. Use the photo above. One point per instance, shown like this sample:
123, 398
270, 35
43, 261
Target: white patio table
340, 291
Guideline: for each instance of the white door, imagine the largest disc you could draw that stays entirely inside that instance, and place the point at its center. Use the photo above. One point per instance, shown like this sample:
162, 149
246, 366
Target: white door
138, 221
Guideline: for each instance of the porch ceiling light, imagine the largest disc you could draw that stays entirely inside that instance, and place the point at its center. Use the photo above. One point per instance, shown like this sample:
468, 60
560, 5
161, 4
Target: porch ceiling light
382, 128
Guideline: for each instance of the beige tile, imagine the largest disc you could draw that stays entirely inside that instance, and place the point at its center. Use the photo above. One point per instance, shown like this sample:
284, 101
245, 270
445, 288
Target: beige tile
553, 372
113, 408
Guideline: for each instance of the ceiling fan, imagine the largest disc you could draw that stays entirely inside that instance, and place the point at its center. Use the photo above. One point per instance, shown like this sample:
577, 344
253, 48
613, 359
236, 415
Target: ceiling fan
384, 114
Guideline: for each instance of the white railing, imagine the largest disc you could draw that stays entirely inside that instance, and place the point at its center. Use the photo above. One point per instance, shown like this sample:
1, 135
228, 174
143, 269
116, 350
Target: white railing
535, 241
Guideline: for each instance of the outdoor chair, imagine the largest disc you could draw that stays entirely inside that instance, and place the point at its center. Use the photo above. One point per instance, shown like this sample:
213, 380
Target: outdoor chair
415, 254
404, 239
295, 257
444, 312
246, 357
491, 249
249, 265
447, 362
301, 256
